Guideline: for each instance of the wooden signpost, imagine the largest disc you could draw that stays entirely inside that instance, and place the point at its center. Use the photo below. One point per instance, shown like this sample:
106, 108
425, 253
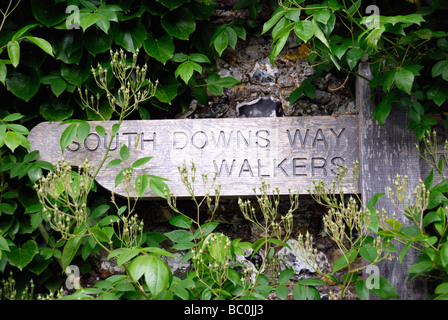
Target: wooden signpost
287, 152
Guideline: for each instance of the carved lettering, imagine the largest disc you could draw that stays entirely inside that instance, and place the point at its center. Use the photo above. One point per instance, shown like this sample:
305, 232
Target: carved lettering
224, 164
246, 168
320, 137
92, 144
222, 137
199, 139
296, 166
297, 134
177, 140
315, 166
259, 134
151, 141
338, 136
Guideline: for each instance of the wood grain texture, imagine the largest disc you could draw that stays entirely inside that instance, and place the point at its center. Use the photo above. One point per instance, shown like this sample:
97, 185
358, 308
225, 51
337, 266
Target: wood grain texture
288, 152
385, 152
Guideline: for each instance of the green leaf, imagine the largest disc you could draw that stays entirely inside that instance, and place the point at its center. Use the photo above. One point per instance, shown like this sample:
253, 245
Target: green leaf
179, 235
444, 255
124, 254
108, 220
101, 131
361, 290
345, 259
4, 244
394, 223
221, 42
186, 69
199, 58
161, 49
320, 35
179, 23
304, 30
113, 163
129, 34
312, 282
167, 91
353, 56
21, 256
404, 80
24, 85
158, 187
299, 292
141, 184
276, 16
386, 289
158, 276
172, 4
382, 110
83, 131
181, 222
58, 86
124, 152
369, 253
70, 249
442, 288
420, 268
96, 42
285, 275
322, 16
22, 31
14, 53
282, 291
12, 140
68, 136
158, 251
76, 74
278, 47
140, 162
42, 43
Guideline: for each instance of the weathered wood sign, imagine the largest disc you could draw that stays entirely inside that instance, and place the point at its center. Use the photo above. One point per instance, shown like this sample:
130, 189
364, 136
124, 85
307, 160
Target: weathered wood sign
288, 152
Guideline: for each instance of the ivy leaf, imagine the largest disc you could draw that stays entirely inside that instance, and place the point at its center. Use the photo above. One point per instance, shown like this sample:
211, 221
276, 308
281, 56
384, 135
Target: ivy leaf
382, 110
96, 41
167, 91
129, 34
320, 35
13, 140
276, 16
179, 23
24, 85
353, 56
76, 74
162, 49
172, 4
186, 69
23, 255
304, 30
48, 12
221, 42
404, 80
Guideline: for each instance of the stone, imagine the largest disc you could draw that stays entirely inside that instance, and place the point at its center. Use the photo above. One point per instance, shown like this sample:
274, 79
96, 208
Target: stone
261, 107
295, 259
177, 267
